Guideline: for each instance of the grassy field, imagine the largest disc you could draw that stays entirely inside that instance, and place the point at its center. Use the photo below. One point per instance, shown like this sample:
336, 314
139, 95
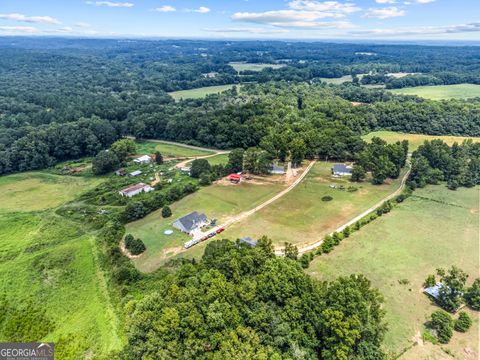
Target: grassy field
238, 66
200, 92
169, 150
337, 81
51, 280
38, 190
442, 92
301, 217
415, 140
216, 201
220, 159
434, 228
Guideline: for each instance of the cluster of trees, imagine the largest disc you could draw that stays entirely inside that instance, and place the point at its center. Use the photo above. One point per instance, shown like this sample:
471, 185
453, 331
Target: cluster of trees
438, 78
443, 324
243, 302
134, 246
453, 292
108, 160
382, 159
435, 161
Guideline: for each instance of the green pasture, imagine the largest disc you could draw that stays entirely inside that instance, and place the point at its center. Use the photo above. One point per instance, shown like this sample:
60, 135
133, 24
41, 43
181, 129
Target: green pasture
442, 92
434, 228
199, 93
415, 140
216, 201
33, 191
240, 66
169, 150
301, 217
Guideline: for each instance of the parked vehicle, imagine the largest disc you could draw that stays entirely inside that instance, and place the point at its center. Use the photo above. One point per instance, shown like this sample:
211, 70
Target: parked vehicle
220, 230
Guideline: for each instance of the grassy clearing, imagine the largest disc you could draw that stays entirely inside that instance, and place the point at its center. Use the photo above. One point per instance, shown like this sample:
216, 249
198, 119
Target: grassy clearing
301, 216
38, 190
200, 92
415, 140
239, 66
169, 150
48, 268
337, 81
442, 92
434, 228
220, 159
216, 201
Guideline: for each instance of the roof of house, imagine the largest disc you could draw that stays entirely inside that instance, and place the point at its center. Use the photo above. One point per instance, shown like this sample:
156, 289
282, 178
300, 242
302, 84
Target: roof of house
235, 176
135, 173
134, 188
341, 168
191, 221
143, 158
249, 241
434, 290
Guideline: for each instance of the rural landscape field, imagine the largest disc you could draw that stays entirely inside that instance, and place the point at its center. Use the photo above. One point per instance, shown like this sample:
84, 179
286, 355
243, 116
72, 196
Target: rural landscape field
259, 180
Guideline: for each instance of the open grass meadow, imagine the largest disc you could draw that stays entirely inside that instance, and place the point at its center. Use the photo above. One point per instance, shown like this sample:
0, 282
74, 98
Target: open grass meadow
51, 286
301, 217
168, 149
199, 93
34, 191
337, 81
415, 140
217, 202
442, 92
240, 66
434, 228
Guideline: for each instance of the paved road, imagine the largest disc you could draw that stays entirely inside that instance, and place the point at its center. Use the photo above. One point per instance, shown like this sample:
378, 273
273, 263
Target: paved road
310, 247
248, 213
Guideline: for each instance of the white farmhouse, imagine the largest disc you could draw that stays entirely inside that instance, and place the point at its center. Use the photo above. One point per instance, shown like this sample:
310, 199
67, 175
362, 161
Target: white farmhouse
135, 190
145, 159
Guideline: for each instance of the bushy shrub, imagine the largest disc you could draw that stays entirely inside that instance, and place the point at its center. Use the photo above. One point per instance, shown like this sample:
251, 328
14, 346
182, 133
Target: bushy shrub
327, 198
429, 281
472, 295
463, 323
134, 246
442, 323
166, 212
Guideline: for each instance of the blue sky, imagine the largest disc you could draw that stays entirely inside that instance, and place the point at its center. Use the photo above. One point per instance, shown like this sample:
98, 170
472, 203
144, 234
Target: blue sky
285, 19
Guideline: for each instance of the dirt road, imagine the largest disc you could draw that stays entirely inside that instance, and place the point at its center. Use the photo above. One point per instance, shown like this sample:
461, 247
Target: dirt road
248, 213
309, 247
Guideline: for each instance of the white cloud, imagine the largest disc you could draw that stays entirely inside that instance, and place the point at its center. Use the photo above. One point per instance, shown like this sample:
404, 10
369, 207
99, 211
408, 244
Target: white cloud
82, 24
202, 10
30, 19
424, 1
17, 29
332, 6
303, 14
166, 8
386, 1
425, 30
384, 13
110, 4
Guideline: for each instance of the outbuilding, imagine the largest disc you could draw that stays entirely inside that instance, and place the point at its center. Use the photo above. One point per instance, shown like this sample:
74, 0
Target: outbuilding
235, 178
135, 190
342, 170
145, 159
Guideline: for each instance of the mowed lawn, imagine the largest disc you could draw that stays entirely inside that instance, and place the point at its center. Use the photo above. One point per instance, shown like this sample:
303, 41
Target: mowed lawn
442, 92
169, 150
216, 201
415, 140
34, 191
239, 66
434, 228
301, 217
199, 93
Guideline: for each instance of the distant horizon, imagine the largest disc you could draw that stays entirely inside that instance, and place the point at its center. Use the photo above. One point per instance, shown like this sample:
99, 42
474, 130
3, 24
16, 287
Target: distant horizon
437, 42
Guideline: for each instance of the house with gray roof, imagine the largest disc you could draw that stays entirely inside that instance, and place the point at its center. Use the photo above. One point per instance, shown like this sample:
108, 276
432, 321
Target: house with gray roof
277, 170
191, 222
342, 170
